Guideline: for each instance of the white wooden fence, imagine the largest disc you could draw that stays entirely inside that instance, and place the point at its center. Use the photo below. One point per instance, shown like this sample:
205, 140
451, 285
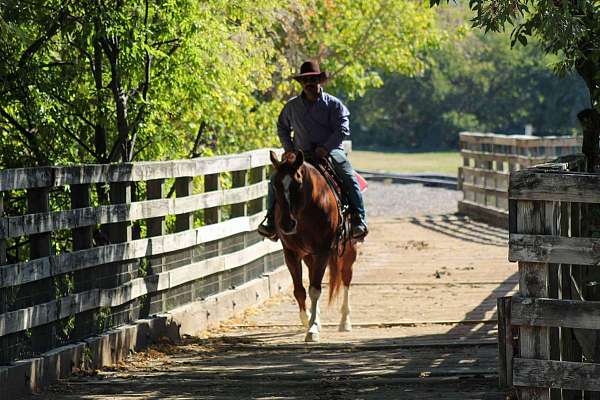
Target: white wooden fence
85, 248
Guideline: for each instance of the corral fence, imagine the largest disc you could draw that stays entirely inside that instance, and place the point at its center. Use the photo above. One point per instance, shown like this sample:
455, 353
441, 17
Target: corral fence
90, 247
488, 160
549, 334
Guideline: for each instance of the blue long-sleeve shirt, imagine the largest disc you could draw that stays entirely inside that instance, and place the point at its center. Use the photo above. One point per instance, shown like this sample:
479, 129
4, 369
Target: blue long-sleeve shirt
321, 123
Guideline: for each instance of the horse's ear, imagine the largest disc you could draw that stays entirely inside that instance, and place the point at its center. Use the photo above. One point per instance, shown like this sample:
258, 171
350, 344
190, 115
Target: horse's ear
299, 159
274, 159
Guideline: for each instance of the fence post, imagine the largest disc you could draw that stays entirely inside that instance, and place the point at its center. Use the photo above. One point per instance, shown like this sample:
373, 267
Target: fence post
569, 348
2, 240
4, 293
239, 179
155, 189
212, 215
533, 282
118, 273
184, 186
38, 200
497, 177
505, 343
257, 175
82, 239
552, 226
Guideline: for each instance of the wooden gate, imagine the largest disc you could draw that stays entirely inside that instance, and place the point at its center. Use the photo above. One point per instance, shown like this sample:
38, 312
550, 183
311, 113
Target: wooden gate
549, 334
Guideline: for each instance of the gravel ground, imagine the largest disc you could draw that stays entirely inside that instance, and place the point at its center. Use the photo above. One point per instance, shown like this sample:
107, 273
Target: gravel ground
408, 200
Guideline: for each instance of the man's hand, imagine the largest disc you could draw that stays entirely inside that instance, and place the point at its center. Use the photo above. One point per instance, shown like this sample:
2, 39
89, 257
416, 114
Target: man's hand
288, 155
321, 152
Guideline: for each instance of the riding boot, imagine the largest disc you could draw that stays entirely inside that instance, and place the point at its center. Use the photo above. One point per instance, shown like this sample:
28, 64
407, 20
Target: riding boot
267, 227
352, 189
359, 229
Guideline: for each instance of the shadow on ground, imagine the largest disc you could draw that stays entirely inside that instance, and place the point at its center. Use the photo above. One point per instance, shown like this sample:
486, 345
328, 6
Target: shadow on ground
462, 228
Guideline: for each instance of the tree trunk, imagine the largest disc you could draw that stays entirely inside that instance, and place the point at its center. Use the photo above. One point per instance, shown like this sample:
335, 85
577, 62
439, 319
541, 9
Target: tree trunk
589, 118
100, 139
590, 122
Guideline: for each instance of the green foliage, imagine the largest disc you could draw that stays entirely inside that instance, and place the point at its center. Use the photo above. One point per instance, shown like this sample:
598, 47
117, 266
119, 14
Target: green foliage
569, 29
356, 40
475, 82
91, 81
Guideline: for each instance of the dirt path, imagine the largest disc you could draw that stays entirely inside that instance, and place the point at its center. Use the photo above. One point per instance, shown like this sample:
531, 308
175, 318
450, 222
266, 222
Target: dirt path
423, 308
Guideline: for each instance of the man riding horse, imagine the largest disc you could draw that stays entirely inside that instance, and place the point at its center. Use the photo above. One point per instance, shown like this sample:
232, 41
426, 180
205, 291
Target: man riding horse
320, 123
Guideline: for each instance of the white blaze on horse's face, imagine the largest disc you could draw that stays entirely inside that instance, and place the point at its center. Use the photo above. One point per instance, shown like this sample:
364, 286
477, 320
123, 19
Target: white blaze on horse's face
286, 181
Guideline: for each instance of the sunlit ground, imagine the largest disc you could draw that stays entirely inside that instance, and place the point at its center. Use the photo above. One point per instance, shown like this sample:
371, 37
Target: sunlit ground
440, 162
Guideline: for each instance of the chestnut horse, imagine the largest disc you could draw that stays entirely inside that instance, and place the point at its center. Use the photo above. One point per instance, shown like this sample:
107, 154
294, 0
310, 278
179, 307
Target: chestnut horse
306, 219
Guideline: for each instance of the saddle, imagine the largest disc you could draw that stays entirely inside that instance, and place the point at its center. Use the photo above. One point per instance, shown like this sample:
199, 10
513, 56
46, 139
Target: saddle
325, 167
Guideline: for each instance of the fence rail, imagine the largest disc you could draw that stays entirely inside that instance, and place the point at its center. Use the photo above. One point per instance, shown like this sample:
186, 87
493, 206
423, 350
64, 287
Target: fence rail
549, 333
89, 247
488, 160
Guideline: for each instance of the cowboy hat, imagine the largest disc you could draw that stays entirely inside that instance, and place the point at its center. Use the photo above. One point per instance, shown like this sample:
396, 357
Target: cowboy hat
310, 68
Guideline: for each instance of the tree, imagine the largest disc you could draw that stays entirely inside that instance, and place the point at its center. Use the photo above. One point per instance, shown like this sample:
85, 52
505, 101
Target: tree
569, 29
112, 81
473, 82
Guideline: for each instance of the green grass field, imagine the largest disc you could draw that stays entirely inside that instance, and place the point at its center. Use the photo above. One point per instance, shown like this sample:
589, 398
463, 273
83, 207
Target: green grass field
439, 162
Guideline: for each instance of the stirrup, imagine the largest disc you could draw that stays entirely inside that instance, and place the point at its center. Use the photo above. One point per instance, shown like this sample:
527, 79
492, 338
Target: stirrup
360, 231
266, 232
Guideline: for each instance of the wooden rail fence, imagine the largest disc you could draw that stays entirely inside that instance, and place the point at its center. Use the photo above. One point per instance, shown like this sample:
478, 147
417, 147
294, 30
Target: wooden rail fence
488, 160
85, 248
549, 335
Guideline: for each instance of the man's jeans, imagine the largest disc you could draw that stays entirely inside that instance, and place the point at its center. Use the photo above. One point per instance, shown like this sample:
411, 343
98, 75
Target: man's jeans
344, 170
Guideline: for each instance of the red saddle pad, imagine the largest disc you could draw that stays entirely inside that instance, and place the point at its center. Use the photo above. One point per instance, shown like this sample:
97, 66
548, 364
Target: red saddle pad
362, 183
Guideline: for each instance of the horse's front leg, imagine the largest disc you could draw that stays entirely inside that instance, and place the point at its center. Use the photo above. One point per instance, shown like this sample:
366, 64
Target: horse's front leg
316, 267
345, 263
292, 260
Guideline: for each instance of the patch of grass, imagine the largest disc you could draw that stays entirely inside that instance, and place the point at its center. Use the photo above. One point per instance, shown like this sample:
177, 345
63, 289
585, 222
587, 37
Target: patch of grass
446, 162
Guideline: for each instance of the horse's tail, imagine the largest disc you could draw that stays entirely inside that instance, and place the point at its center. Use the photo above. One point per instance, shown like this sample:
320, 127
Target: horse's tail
335, 276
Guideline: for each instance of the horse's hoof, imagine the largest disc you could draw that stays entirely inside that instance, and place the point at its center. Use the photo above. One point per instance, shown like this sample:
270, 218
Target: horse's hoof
345, 327
312, 337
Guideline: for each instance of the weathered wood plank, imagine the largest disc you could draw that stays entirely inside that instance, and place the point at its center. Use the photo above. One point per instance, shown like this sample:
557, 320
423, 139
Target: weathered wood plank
23, 178
533, 282
521, 140
497, 192
488, 156
495, 173
505, 343
51, 221
554, 249
24, 272
556, 374
534, 184
48, 312
555, 313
